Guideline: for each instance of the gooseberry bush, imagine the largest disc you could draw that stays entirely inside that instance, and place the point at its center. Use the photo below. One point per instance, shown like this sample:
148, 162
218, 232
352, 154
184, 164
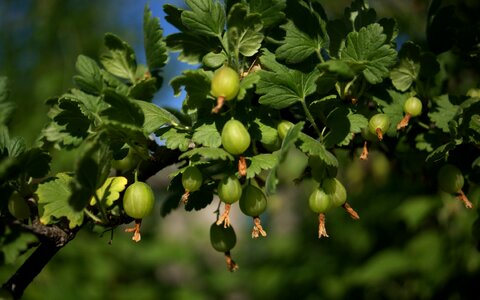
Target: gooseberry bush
270, 76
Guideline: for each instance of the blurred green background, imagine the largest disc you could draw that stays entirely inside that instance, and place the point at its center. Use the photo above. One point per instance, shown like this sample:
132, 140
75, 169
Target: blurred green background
411, 242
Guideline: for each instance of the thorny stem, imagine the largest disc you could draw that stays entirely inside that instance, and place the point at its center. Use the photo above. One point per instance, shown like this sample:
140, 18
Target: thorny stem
220, 102
462, 197
136, 230
404, 122
353, 214
242, 166
322, 230
225, 218
257, 228
231, 265
364, 155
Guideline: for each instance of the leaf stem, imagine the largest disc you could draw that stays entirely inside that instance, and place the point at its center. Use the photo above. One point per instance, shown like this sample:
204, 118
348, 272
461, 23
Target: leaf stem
310, 117
93, 217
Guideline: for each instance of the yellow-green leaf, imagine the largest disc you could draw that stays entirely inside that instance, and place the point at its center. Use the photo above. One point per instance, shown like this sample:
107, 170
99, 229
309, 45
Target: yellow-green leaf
109, 192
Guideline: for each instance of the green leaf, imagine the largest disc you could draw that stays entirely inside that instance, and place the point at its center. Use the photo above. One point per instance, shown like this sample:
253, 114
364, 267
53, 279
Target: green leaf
6, 107
284, 87
271, 11
122, 110
192, 47
268, 61
16, 147
201, 198
408, 67
267, 131
207, 135
271, 181
197, 85
144, 89
4, 140
290, 138
155, 47
155, 116
109, 192
57, 134
444, 113
121, 61
214, 60
339, 125
258, 163
441, 153
206, 17
313, 147
76, 123
422, 143
366, 50
53, 201
208, 154
392, 102
298, 45
91, 171
115, 83
359, 14
90, 78
337, 31
244, 31
13, 244
338, 67
176, 139
343, 124
34, 163
89, 105
247, 83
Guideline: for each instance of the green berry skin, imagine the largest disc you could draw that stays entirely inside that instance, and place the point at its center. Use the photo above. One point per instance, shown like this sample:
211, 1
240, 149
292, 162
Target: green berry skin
334, 188
225, 83
235, 137
18, 207
379, 121
229, 189
192, 179
222, 239
319, 201
413, 106
283, 128
138, 200
253, 201
450, 179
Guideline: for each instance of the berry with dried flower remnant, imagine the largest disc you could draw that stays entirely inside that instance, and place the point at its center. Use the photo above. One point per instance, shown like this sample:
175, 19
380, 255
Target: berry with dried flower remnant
253, 203
338, 194
225, 86
138, 202
229, 191
192, 180
320, 202
412, 108
450, 180
378, 125
223, 239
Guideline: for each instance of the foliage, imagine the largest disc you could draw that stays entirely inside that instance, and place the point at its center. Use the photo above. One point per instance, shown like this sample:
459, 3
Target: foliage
328, 77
